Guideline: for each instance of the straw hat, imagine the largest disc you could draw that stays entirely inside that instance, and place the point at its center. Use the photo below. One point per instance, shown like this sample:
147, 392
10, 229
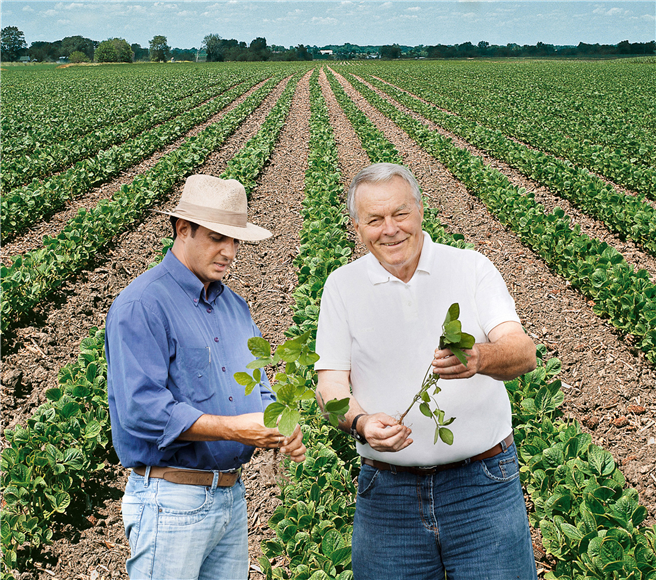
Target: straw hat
219, 205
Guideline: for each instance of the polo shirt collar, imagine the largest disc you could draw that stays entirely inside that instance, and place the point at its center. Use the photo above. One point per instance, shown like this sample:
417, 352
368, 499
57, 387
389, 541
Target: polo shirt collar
379, 275
188, 281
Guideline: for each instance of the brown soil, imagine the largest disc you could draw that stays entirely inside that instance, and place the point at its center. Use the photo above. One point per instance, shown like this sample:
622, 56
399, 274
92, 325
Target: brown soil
605, 379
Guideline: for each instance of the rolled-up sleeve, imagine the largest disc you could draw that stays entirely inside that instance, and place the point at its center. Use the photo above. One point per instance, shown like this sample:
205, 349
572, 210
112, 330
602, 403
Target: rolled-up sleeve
138, 356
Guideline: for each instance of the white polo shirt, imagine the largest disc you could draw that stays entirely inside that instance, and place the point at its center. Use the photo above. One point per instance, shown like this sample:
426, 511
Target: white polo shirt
385, 331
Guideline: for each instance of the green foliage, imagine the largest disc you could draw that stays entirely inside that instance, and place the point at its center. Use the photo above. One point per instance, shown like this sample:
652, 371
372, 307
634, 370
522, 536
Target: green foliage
159, 49
56, 452
76, 57
113, 50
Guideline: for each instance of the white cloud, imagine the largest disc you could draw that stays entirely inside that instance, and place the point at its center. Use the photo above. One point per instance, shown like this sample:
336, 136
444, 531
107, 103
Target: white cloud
386, 5
322, 21
413, 9
49, 13
28, 9
63, 22
186, 13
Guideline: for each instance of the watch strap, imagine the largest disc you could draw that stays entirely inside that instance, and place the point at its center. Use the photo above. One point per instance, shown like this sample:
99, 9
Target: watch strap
354, 431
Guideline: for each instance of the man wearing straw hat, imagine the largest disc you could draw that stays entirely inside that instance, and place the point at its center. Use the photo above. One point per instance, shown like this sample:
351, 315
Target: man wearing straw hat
175, 337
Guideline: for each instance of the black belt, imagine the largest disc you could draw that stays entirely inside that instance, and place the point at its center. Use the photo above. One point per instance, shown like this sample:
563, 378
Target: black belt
498, 448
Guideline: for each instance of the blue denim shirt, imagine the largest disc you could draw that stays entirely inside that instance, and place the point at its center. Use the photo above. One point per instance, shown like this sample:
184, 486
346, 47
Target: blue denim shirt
171, 357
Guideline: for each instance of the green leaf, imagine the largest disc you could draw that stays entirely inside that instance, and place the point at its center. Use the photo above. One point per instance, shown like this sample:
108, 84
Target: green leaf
259, 347
453, 313
243, 379
337, 406
466, 341
288, 421
332, 541
70, 409
271, 414
452, 332
425, 410
461, 356
446, 435
54, 394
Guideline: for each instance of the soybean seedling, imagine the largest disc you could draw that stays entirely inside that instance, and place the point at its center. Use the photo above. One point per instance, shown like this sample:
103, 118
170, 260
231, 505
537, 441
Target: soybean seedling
456, 341
291, 385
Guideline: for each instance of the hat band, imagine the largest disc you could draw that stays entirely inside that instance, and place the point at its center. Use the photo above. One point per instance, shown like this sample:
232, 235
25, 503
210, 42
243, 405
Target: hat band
193, 212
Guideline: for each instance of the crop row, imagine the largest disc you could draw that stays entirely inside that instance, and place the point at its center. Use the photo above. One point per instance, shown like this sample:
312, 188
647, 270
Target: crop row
47, 462
30, 203
625, 295
46, 107
625, 214
35, 275
43, 161
542, 129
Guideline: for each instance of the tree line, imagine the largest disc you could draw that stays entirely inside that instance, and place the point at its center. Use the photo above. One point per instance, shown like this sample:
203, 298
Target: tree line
217, 49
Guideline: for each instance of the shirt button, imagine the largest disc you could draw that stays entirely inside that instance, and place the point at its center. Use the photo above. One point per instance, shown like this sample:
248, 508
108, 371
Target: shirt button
216, 339
196, 300
199, 375
223, 369
209, 310
229, 398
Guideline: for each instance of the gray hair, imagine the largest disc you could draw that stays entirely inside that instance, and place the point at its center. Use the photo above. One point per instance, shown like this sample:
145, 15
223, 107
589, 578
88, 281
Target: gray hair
381, 173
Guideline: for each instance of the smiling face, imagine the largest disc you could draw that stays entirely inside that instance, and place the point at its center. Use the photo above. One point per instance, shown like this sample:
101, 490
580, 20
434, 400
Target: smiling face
206, 253
389, 225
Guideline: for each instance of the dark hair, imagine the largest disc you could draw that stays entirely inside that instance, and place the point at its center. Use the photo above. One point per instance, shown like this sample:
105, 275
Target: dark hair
174, 221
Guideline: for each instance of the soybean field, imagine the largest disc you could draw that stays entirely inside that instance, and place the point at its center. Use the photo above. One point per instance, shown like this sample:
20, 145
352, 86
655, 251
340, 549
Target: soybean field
546, 167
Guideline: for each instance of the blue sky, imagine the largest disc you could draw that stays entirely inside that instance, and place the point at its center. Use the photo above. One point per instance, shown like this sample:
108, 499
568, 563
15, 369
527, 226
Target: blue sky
409, 22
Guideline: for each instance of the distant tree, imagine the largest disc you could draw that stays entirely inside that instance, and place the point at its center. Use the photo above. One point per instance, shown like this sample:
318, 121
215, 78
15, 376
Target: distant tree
159, 49
212, 43
140, 53
13, 43
258, 49
389, 52
114, 50
72, 44
78, 56
302, 53
44, 51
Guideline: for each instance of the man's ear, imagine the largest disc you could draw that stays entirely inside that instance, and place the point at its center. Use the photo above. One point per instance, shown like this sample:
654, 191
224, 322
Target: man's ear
356, 227
182, 228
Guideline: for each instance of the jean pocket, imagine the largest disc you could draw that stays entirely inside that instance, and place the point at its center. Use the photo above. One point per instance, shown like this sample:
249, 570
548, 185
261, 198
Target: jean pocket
132, 510
503, 467
182, 505
367, 479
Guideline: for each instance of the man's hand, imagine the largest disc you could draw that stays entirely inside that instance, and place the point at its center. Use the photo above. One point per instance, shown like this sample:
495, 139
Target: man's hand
383, 433
509, 354
248, 429
447, 365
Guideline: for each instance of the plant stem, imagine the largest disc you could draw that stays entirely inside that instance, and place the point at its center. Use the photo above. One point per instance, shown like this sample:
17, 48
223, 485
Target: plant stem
424, 386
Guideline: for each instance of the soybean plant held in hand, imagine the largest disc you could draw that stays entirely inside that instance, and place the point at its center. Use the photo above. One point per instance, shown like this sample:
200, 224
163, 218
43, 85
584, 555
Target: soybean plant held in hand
456, 341
291, 386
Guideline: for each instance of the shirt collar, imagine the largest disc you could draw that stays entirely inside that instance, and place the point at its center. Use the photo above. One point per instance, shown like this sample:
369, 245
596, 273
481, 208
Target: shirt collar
189, 282
379, 275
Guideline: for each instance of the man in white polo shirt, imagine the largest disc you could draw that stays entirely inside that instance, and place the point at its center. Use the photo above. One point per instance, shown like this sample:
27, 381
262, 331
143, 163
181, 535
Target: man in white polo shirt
424, 509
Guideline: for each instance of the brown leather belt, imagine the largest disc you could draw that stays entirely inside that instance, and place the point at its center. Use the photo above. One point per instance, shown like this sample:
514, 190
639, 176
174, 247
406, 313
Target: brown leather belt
190, 476
498, 448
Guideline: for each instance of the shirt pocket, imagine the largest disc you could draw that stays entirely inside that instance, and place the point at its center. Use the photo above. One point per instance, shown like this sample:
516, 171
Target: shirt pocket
197, 367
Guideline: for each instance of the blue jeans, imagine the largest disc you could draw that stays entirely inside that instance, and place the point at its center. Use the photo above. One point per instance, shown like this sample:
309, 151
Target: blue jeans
469, 522
185, 532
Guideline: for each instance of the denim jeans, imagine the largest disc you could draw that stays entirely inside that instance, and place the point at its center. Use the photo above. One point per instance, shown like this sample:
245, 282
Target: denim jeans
469, 522
185, 532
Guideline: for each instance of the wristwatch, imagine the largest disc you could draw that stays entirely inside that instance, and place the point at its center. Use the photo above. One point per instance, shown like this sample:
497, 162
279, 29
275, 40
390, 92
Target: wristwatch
354, 432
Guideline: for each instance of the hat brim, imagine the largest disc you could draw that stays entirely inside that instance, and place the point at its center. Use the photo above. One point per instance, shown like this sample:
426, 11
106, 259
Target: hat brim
251, 233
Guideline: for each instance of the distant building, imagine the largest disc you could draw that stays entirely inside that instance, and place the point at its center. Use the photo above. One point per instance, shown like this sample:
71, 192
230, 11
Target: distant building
328, 52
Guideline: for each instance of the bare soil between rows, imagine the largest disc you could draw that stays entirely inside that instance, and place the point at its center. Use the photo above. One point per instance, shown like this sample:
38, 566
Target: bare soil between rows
607, 383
